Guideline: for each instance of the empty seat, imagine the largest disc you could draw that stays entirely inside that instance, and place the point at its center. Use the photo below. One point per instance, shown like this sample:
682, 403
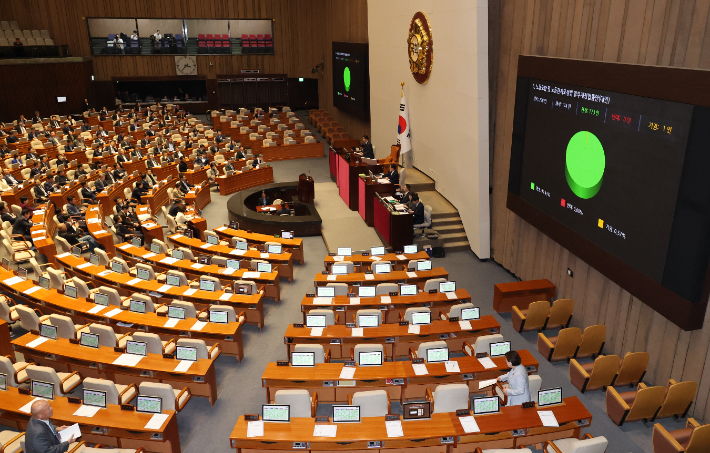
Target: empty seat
455, 311
321, 355
560, 314
588, 444
330, 316
153, 342
384, 289
641, 404
107, 337
355, 352
66, 327
448, 398
30, 319
592, 342
36, 34
633, 369
368, 312
373, 403
562, 347
596, 375
202, 351
341, 289
11, 441
115, 393
14, 371
694, 438
173, 400
532, 318
44, 34
409, 312
64, 383
300, 401
679, 397
424, 347
482, 344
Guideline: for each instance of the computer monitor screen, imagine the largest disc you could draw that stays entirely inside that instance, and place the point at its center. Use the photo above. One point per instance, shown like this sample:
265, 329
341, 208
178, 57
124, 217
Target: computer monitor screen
303, 359
345, 251
44, 282
172, 280
421, 317
263, 267
143, 274
43, 390
3, 381
382, 268
207, 285
377, 251
275, 413
95, 398
408, 290
48, 331
149, 404
178, 254
61, 99
136, 306
176, 312
76, 251
368, 320
70, 291
22, 273
499, 349
275, 249
486, 405
214, 240
117, 267
90, 340
447, 287
136, 347
325, 291
101, 299
468, 314
315, 320
372, 358
219, 316
233, 264
416, 411
287, 234
186, 353
155, 248
424, 265
94, 259
549, 397
410, 249
434, 355
339, 269
346, 414
366, 291
136, 242
241, 245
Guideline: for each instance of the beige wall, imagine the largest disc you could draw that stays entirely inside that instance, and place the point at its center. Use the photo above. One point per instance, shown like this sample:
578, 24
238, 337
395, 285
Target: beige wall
104, 27
147, 27
449, 114
206, 26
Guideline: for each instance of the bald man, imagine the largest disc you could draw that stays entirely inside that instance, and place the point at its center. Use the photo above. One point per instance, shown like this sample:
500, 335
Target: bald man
41, 436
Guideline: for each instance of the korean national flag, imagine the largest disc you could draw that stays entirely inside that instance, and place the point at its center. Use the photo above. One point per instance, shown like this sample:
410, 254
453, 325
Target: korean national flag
403, 135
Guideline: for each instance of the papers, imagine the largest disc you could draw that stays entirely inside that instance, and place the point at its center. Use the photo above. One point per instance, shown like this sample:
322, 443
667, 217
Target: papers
104, 273
164, 288
251, 275
354, 301
487, 362
125, 246
487, 383
316, 331
548, 418
338, 258
237, 252
95, 309
383, 181
452, 366
39, 238
375, 258
465, 325
183, 366
171, 322
94, 220
356, 332
11, 281
149, 225
264, 255
113, 313
189, 292
332, 278
96, 233
206, 245
229, 271
394, 428
197, 265
82, 266
26, 407
469, 425
86, 411
177, 236
128, 360
156, 421
124, 324
369, 277
198, 326
420, 369
451, 295
322, 300
401, 257
412, 274
68, 432
169, 260
413, 329
222, 228
347, 372
385, 300
36, 342
225, 296
134, 281
31, 290
255, 429
148, 255
325, 430
63, 255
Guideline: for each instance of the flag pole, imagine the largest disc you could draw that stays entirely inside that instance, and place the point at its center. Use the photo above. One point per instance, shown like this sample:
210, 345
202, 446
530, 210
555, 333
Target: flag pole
401, 155
402, 93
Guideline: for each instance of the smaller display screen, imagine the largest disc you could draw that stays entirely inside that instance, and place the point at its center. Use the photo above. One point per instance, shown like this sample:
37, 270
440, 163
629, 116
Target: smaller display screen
176, 312
366, 291
486, 405
410, 249
94, 259
275, 249
421, 317
468, 314
117, 267
377, 251
155, 248
368, 320
303, 359
172, 280
3, 381
143, 274
95, 398
70, 291
43, 390
275, 413
241, 245
263, 267
370, 358
90, 340
101, 299
233, 264
136, 242
447, 287
76, 251
424, 265
416, 411
346, 414
315, 320
408, 290
136, 347
207, 285
325, 291
136, 306
382, 268
212, 240
549, 397
178, 254
287, 234
44, 282
345, 251
186, 353
48, 331
149, 404
339, 269
219, 316
499, 349
434, 355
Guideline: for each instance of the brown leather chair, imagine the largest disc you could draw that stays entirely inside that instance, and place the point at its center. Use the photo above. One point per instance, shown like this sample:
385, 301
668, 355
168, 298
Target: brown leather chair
560, 314
597, 375
393, 157
593, 340
561, 347
694, 438
640, 404
633, 369
532, 318
679, 398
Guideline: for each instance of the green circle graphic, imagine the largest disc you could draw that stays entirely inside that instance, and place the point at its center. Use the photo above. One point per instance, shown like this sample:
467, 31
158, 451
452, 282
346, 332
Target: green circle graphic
585, 163
346, 78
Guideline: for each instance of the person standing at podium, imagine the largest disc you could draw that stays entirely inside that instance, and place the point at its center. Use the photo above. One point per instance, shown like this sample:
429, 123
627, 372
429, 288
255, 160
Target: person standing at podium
367, 150
518, 389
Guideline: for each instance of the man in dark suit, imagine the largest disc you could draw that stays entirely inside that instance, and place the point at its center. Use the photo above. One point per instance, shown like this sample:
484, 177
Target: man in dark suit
53, 123
37, 118
6, 215
41, 195
263, 199
182, 185
182, 166
12, 138
240, 154
40, 435
87, 193
36, 169
283, 210
367, 150
417, 209
121, 158
23, 224
393, 174
67, 129
9, 179
20, 128
167, 157
137, 153
151, 162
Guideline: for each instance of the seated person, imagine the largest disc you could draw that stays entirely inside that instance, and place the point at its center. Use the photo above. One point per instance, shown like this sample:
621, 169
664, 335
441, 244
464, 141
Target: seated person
23, 224
406, 197
417, 209
183, 222
9, 179
229, 166
25, 202
393, 174
256, 161
44, 165
61, 179
36, 169
138, 192
283, 210
73, 235
125, 230
61, 160
16, 160
87, 193
182, 165
73, 209
150, 178
40, 194
183, 186
263, 200
100, 183
172, 212
129, 212
6, 214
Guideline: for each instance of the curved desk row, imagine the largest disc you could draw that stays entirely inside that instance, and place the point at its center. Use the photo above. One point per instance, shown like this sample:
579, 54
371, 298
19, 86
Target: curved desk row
360, 278
400, 259
294, 246
244, 180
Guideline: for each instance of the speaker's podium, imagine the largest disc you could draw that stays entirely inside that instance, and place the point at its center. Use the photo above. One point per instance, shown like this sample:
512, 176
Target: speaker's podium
306, 192
396, 229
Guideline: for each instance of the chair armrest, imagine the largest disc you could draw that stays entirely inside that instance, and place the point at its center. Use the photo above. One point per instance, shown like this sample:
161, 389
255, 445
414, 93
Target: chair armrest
389, 404
17, 372
77, 447
76, 329
550, 443
518, 319
352, 353
692, 423
215, 346
429, 396
443, 316
134, 387
38, 312
170, 341
672, 382
12, 359
61, 383
177, 398
118, 340
478, 450
467, 349
545, 346
327, 356
197, 315
337, 318
412, 354
663, 441
587, 436
159, 306
401, 317
578, 376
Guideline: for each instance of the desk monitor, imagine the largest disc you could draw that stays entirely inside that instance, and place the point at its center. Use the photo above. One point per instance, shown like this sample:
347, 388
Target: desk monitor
172, 280
346, 414
117, 267
177, 254
486, 405
96, 398
219, 316
70, 291
382, 268
136, 242
137, 348
499, 349
410, 249
3, 381
447, 287
207, 285
408, 290
366, 291
232, 264
233, 225
44, 282
101, 299
339, 269
368, 321
315, 321
303, 359
22, 273
416, 411
421, 318
76, 251
549, 397
377, 251
276, 249
43, 390
345, 251
214, 240
149, 404
424, 265
435, 355
467, 314
373, 358
276, 413
6, 264
90, 340
242, 289
94, 259
287, 234
325, 291
263, 267
176, 312
48, 331
155, 248
143, 274
241, 245
186, 353
136, 306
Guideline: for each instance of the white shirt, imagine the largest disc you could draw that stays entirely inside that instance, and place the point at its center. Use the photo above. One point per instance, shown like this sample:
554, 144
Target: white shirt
134, 37
158, 36
119, 42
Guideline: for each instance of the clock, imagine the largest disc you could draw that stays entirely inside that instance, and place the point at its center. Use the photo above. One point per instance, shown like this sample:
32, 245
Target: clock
185, 65
420, 47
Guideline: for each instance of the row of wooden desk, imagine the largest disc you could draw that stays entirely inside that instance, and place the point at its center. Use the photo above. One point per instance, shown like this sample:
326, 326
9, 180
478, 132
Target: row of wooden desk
293, 246
401, 259
360, 278
245, 180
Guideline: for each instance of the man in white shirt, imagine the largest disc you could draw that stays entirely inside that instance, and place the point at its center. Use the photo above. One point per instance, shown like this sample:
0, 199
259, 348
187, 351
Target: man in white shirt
118, 43
134, 36
157, 35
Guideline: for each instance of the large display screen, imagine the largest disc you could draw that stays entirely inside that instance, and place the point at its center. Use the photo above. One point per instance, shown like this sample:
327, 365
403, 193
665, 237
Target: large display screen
351, 78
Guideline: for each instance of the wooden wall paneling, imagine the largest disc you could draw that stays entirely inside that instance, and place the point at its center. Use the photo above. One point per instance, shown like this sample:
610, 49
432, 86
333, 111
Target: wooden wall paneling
697, 33
681, 355
685, 18
643, 328
667, 354
630, 325
633, 31
669, 33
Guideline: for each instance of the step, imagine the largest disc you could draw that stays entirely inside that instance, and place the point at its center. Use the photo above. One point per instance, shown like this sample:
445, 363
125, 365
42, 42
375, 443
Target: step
446, 221
446, 229
460, 246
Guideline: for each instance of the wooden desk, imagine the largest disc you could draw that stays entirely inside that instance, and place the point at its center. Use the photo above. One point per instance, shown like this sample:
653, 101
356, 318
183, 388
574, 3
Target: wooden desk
98, 363
95, 224
138, 165
348, 173
196, 177
5, 347
166, 170
155, 198
420, 436
199, 197
151, 230
293, 246
42, 234
240, 181
105, 198
121, 429
286, 152
521, 294
392, 277
362, 260
380, 378
271, 208
393, 337
395, 229
366, 194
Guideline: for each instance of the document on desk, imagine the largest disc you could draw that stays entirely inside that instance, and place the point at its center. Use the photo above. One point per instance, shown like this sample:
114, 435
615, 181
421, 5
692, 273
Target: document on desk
255, 428
128, 360
104, 273
469, 425
385, 300
225, 296
84, 265
149, 225
264, 255
64, 255
354, 301
96, 233
156, 421
171, 322
183, 366
325, 430
113, 313
414, 330
169, 260
332, 278
322, 300
375, 258
316, 331
13, 280
206, 246
338, 258
68, 432
451, 295
189, 292
31, 290
86, 411
465, 325
369, 277
95, 309
420, 369
197, 266
412, 274
548, 418
148, 255
222, 228
401, 257
164, 289
134, 281
229, 271
251, 275
452, 366
125, 246
486, 383
356, 332
26, 408
237, 252
177, 236
198, 326
348, 372
36, 342
394, 428
487, 362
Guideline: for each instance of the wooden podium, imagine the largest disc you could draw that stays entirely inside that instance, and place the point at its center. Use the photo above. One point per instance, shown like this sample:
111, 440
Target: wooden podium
306, 192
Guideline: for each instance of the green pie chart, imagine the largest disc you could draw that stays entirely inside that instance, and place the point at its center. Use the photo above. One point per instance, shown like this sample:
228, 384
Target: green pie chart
584, 164
346, 78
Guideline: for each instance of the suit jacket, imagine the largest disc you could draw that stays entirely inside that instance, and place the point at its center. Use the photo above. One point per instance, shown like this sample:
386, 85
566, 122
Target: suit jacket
40, 192
54, 124
418, 213
367, 151
54, 141
11, 180
136, 152
7, 217
182, 167
518, 386
121, 158
40, 438
393, 177
99, 185
21, 129
12, 139
151, 163
183, 186
87, 193
263, 201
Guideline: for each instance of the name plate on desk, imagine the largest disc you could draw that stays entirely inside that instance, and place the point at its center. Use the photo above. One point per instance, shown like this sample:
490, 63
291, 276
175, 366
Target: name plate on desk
365, 253
282, 363
394, 293
73, 400
350, 363
350, 325
310, 295
127, 407
23, 391
164, 313
418, 360
454, 319
481, 355
432, 291
325, 273
73, 341
121, 350
168, 356
322, 419
463, 413
298, 326
528, 405
331, 254
352, 295
368, 272
404, 323
251, 417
